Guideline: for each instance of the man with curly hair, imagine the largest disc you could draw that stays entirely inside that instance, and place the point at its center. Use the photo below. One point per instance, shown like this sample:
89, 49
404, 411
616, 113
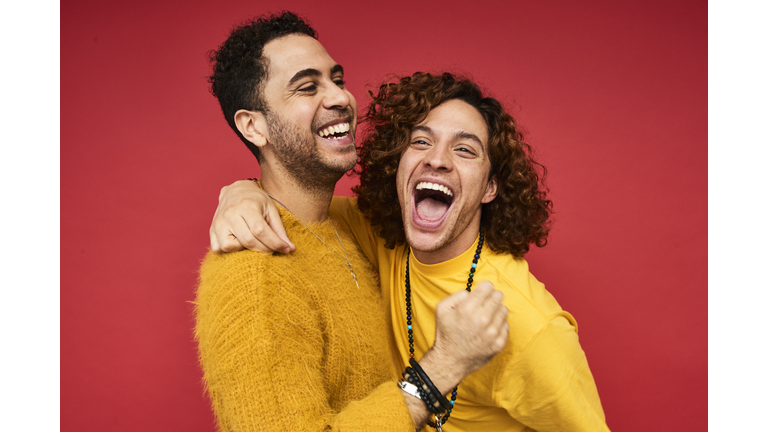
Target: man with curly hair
450, 195
302, 341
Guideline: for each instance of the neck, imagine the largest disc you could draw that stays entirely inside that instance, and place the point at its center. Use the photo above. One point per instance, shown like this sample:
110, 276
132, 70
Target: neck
310, 205
452, 249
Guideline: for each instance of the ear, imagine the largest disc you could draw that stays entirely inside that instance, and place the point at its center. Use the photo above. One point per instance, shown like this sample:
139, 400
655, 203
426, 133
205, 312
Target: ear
253, 126
490, 191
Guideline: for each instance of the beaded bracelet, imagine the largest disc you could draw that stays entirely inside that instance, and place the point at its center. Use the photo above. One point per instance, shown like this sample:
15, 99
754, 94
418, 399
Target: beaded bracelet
424, 393
432, 388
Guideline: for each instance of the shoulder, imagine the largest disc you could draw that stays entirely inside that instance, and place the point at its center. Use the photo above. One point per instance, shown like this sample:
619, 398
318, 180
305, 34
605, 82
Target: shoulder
343, 204
214, 263
237, 278
528, 299
228, 268
344, 209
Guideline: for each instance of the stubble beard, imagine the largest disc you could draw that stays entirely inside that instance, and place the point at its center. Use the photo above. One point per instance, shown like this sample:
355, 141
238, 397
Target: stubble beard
297, 152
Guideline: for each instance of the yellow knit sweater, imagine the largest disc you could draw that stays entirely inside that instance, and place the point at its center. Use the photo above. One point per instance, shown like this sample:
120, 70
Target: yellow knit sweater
288, 342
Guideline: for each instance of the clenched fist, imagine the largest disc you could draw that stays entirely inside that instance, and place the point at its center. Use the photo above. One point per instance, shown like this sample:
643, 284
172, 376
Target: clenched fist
471, 327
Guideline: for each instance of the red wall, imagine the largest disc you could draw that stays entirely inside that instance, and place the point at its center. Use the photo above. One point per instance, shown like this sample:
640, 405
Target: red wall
613, 95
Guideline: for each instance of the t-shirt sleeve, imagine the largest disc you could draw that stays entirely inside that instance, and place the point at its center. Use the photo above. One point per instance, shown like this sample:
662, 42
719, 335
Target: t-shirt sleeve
550, 387
262, 353
345, 209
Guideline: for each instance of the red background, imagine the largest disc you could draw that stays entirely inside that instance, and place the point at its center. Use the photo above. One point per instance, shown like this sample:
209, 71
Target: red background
613, 96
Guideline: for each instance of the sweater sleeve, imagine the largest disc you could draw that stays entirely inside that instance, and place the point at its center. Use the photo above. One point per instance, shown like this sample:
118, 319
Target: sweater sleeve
550, 387
261, 347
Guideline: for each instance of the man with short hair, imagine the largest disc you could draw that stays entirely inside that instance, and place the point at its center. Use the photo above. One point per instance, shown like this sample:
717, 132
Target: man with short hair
301, 341
449, 195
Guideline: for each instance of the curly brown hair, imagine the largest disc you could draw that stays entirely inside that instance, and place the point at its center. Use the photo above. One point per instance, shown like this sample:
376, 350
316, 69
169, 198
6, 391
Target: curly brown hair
517, 218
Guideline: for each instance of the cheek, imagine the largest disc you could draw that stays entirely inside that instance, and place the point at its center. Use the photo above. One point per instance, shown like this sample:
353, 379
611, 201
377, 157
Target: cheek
403, 174
305, 115
403, 171
400, 185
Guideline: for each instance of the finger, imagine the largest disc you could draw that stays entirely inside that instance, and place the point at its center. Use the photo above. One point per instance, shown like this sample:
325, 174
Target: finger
480, 293
215, 247
222, 227
503, 338
500, 317
493, 300
260, 231
276, 224
233, 244
241, 235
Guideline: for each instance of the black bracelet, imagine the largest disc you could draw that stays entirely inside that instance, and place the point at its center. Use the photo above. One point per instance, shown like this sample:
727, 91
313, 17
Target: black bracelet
425, 394
425, 379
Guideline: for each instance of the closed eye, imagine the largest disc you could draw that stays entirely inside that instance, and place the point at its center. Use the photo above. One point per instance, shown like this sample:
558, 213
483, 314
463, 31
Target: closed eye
308, 89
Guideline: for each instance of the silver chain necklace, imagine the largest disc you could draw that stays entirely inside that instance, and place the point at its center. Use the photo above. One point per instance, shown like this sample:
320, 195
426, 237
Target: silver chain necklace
345, 257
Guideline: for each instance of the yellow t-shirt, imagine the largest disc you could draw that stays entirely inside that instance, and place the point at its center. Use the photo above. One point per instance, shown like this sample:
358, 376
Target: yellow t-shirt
540, 381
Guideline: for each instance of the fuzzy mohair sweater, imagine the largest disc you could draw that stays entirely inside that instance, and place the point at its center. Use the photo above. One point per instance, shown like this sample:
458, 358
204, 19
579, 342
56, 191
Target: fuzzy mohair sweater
288, 342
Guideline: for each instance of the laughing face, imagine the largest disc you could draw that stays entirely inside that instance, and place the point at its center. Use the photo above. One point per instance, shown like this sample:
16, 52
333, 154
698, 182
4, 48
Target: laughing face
442, 181
312, 116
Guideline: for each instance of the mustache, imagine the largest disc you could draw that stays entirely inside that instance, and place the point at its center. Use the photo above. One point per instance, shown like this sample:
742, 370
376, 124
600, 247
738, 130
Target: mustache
335, 115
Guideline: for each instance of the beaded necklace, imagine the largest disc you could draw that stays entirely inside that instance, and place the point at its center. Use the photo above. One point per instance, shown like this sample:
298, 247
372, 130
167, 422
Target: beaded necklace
438, 421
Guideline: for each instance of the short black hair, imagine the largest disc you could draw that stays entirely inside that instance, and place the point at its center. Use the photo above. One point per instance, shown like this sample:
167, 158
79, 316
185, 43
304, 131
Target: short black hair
240, 69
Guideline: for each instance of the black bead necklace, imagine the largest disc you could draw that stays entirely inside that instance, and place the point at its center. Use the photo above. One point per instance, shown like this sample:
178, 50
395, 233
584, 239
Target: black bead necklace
409, 315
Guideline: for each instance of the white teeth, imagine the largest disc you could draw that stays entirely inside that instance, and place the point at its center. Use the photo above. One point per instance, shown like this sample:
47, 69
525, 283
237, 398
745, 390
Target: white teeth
335, 129
434, 186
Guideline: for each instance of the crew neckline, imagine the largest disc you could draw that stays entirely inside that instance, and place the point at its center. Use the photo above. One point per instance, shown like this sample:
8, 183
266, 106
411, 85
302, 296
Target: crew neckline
459, 264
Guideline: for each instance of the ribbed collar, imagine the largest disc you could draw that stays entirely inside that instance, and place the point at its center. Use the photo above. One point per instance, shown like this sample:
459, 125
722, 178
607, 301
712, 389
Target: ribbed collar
454, 266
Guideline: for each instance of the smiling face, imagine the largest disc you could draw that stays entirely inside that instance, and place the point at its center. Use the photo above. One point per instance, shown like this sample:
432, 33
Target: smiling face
442, 181
311, 116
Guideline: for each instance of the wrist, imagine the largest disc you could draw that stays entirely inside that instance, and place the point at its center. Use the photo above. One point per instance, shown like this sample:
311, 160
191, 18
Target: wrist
442, 369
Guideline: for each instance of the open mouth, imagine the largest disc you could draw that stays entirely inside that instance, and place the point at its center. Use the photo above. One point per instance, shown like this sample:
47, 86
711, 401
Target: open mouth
432, 202
337, 131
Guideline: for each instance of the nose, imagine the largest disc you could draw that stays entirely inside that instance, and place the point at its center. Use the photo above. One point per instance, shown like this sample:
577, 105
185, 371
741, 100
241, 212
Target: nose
439, 158
336, 97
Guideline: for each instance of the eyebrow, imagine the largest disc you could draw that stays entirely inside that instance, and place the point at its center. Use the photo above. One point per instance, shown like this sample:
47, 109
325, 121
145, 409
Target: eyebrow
310, 72
457, 135
423, 128
467, 135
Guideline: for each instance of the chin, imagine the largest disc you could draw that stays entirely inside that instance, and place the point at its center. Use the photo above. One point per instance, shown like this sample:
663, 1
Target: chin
425, 241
